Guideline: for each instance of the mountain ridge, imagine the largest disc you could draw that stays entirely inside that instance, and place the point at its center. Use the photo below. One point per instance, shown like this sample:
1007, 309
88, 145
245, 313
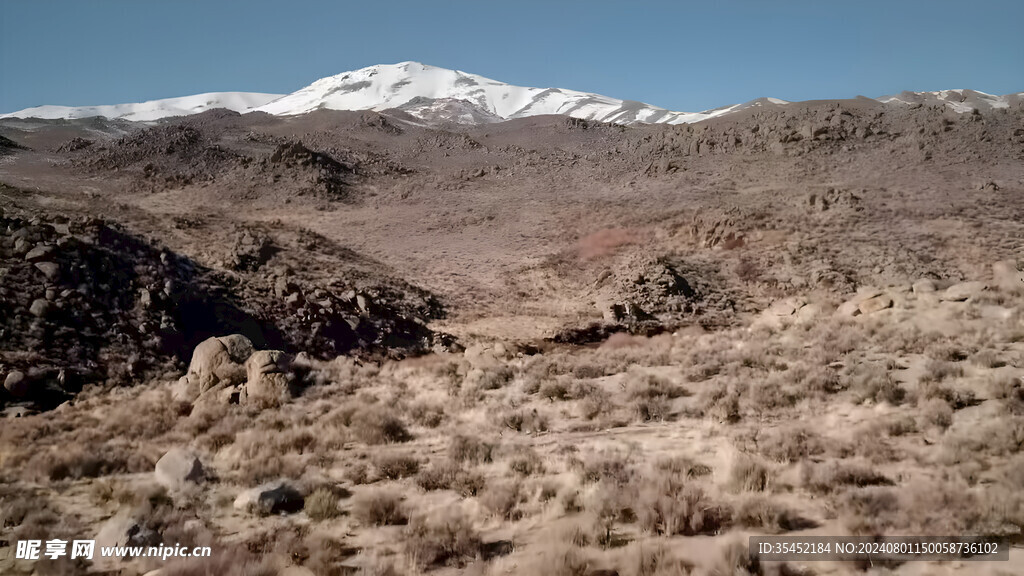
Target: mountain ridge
453, 96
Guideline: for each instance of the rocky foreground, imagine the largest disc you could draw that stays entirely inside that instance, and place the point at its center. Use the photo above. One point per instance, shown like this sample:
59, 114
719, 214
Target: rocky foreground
353, 343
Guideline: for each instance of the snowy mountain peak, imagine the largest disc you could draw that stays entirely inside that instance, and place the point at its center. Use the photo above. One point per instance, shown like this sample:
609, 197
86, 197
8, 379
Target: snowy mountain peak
451, 96
153, 109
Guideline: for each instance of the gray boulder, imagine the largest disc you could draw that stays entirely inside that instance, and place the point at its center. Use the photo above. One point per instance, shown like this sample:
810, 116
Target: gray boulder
269, 378
16, 384
216, 363
962, 291
178, 468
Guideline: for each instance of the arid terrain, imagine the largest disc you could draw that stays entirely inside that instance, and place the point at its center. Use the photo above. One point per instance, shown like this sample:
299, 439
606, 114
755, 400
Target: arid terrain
361, 343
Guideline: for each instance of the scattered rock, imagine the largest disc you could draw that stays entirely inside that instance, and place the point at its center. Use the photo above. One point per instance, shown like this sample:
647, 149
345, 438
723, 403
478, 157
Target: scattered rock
16, 384
39, 253
124, 530
875, 304
924, 286
40, 308
178, 468
271, 498
50, 270
1007, 275
962, 291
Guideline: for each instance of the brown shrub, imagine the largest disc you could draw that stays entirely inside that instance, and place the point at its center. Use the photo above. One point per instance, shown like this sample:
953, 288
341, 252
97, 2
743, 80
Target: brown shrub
466, 449
669, 505
396, 466
761, 513
451, 476
446, 540
503, 499
375, 425
322, 504
791, 445
379, 507
748, 475
834, 476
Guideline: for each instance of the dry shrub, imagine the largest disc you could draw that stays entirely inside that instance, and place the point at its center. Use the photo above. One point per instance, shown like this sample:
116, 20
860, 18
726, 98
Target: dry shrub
530, 421
379, 507
833, 476
607, 466
526, 462
988, 359
451, 476
748, 475
645, 559
322, 504
735, 560
936, 412
670, 505
554, 390
376, 425
77, 462
558, 559
446, 540
761, 513
940, 371
650, 397
233, 561
467, 449
426, 414
503, 499
396, 466
900, 425
791, 445
1006, 387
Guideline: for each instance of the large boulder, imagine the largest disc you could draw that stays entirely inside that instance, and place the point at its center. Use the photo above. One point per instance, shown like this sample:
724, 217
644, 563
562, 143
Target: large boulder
924, 286
178, 468
962, 291
872, 305
277, 497
1007, 276
16, 384
269, 378
126, 530
217, 363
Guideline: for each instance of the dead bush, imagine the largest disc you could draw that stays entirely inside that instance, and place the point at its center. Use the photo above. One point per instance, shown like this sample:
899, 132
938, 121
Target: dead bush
530, 421
748, 475
446, 540
231, 562
396, 466
322, 504
791, 445
503, 499
451, 476
936, 412
835, 476
940, 371
554, 390
670, 505
526, 462
379, 507
466, 449
376, 425
761, 513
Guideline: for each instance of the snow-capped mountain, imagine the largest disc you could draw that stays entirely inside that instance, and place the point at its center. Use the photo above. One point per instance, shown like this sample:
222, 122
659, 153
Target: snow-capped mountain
154, 109
958, 100
391, 86
439, 95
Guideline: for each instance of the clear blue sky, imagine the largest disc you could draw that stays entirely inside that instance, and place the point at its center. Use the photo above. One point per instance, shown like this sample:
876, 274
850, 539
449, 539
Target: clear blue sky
680, 55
